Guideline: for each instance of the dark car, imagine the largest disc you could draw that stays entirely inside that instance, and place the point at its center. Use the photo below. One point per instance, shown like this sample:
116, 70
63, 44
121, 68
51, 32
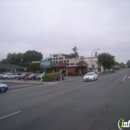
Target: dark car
112, 70
31, 76
3, 87
24, 75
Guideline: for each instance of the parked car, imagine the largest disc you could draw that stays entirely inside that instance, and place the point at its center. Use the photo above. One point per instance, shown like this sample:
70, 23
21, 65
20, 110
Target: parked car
32, 76
23, 75
5, 76
90, 76
12, 76
40, 76
3, 87
1, 76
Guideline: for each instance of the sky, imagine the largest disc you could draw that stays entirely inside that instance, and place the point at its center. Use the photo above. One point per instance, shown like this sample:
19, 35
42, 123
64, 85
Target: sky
57, 26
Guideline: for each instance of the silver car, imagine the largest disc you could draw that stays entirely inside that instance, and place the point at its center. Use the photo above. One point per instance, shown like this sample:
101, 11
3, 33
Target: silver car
90, 76
3, 87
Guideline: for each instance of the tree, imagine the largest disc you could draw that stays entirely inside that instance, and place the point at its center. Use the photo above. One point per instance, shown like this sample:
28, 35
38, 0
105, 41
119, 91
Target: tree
106, 60
23, 59
122, 65
4, 61
69, 56
30, 56
14, 58
128, 64
75, 50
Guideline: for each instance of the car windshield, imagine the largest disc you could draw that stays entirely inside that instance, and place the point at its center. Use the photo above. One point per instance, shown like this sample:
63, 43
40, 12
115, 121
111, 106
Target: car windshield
91, 73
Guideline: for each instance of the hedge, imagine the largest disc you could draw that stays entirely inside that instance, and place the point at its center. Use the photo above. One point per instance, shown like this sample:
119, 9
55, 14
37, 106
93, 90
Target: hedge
49, 77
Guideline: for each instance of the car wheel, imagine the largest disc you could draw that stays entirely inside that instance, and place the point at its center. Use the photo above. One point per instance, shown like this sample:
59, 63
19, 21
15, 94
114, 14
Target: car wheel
3, 90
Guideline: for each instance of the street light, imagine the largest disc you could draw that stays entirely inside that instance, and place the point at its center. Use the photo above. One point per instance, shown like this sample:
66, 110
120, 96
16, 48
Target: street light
91, 58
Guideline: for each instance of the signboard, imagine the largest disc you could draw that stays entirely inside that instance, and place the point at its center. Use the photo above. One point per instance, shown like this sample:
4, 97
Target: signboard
46, 64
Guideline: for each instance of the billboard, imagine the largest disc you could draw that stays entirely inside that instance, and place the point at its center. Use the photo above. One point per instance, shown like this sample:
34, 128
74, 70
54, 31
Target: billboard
46, 64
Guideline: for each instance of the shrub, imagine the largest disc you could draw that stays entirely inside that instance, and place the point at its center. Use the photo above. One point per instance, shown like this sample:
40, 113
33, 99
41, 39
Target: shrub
49, 77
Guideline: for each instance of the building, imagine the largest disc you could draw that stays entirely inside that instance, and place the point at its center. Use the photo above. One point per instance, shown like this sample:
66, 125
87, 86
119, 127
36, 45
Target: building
11, 67
72, 65
93, 64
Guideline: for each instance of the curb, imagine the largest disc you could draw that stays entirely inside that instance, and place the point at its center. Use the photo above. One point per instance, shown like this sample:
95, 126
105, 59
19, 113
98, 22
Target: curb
35, 82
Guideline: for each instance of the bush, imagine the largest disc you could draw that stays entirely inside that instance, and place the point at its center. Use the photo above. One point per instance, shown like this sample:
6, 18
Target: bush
49, 77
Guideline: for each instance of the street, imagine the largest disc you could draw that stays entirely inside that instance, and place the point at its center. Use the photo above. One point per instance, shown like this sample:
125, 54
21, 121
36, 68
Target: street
72, 105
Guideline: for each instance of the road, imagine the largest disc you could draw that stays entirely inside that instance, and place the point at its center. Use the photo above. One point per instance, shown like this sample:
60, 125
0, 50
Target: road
73, 105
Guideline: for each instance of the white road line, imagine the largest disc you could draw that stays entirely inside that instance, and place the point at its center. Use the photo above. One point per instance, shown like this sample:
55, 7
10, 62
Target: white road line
10, 115
124, 78
18, 86
26, 88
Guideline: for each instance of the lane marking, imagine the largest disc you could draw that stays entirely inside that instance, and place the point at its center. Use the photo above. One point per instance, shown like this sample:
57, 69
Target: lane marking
26, 88
18, 86
124, 78
10, 115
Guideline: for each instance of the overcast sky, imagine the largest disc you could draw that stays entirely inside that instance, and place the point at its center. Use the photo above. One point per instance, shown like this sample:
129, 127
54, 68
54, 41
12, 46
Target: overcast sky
56, 26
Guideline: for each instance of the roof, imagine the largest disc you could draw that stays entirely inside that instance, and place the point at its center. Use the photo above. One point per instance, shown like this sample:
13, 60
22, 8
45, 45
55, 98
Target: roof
10, 66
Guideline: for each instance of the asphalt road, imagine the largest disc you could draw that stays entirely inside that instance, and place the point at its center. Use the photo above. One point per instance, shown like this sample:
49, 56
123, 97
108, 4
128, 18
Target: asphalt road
73, 105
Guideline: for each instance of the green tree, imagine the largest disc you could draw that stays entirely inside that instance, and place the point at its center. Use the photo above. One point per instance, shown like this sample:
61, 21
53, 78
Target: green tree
4, 61
122, 65
106, 60
34, 67
69, 56
14, 58
30, 56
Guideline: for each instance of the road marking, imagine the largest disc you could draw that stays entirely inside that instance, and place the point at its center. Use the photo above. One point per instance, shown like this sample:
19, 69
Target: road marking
26, 88
10, 115
18, 86
124, 78
129, 77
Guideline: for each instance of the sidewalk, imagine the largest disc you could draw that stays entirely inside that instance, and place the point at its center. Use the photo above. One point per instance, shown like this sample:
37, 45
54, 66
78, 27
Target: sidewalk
67, 78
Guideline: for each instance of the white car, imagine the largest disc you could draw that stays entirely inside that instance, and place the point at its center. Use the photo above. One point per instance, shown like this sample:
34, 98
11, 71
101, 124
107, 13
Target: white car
12, 76
6, 75
3, 87
90, 76
40, 76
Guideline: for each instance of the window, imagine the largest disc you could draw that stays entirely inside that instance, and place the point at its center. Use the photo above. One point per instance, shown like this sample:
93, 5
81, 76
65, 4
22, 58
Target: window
60, 61
67, 60
71, 63
60, 58
55, 55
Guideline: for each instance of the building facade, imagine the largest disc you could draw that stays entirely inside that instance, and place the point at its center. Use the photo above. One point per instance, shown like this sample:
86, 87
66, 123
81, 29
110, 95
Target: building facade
72, 65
